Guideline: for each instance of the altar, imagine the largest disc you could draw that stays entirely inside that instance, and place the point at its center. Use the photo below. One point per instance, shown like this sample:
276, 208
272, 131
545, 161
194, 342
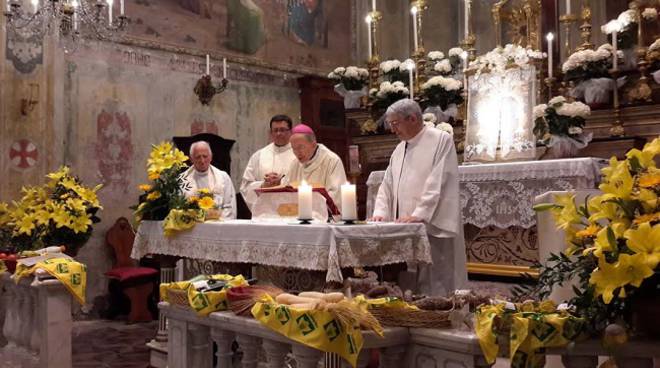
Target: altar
497, 200
315, 247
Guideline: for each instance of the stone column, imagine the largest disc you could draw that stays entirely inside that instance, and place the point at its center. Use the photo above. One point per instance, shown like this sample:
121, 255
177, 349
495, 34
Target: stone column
223, 340
306, 357
201, 347
392, 357
250, 347
275, 353
55, 324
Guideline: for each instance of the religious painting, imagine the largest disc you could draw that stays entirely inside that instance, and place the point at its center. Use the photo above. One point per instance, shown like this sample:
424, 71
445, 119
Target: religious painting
308, 33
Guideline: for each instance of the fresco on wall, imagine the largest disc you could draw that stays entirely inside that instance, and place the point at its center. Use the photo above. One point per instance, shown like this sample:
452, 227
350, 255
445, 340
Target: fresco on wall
114, 149
310, 33
25, 53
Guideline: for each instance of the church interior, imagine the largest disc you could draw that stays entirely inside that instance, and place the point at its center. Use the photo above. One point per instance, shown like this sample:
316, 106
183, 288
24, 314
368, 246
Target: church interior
330, 183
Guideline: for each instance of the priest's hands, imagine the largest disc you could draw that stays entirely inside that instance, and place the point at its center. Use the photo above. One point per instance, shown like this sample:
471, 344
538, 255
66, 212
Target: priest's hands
408, 219
272, 180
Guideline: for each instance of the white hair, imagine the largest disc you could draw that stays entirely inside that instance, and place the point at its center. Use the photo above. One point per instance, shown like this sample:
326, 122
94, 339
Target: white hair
200, 144
405, 108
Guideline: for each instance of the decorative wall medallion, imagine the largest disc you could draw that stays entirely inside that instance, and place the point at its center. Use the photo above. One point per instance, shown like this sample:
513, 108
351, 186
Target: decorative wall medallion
23, 154
25, 53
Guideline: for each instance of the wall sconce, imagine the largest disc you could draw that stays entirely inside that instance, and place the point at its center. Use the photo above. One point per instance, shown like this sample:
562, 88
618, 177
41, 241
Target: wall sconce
205, 90
28, 104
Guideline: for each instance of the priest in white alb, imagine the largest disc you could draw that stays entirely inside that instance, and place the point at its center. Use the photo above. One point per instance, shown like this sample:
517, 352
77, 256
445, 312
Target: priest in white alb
315, 163
421, 185
267, 165
203, 175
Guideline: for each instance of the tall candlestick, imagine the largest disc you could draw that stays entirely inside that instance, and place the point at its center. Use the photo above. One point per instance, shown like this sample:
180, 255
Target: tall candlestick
615, 60
121, 7
348, 203
467, 18
304, 201
373, 5
550, 37
109, 12
464, 57
568, 6
411, 66
368, 20
208, 64
413, 12
224, 68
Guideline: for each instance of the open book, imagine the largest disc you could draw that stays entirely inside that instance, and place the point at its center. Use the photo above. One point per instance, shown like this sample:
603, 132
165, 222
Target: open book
332, 207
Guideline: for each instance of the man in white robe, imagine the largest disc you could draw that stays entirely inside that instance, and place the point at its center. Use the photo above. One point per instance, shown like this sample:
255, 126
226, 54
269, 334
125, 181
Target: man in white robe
316, 164
421, 185
204, 175
267, 165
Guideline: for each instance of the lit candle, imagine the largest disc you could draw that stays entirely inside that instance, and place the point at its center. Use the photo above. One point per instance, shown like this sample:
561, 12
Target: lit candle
568, 6
411, 66
348, 202
413, 12
121, 7
373, 5
35, 5
550, 37
615, 60
75, 14
8, 6
208, 64
224, 68
109, 12
368, 20
467, 18
304, 201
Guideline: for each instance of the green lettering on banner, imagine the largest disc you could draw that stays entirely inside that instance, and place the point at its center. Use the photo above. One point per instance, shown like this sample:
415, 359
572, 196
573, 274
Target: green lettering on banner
62, 268
75, 279
282, 314
351, 344
332, 329
200, 302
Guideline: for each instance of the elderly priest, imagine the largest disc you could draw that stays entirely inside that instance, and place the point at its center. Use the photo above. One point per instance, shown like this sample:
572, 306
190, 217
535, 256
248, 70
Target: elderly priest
203, 175
315, 164
267, 165
421, 185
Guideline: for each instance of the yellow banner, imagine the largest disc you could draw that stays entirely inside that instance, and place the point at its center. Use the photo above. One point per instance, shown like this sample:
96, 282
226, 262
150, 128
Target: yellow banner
528, 332
205, 303
69, 272
315, 328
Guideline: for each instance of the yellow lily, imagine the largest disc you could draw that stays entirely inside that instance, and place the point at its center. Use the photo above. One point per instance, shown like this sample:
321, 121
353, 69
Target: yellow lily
618, 180
634, 268
206, 203
653, 147
645, 158
80, 223
153, 196
645, 240
607, 278
567, 214
145, 187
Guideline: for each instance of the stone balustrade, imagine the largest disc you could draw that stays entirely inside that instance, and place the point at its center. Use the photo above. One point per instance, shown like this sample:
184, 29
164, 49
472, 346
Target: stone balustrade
585, 354
37, 324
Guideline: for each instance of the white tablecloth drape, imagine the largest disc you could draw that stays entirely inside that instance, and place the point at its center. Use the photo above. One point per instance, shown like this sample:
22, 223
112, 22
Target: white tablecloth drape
502, 194
321, 247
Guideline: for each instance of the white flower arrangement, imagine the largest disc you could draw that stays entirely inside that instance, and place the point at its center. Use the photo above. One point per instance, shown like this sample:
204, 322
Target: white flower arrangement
573, 110
429, 118
650, 14
448, 84
539, 111
455, 52
590, 63
560, 118
436, 55
501, 58
352, 77
445, 127
389, 65
388, 93
443, 67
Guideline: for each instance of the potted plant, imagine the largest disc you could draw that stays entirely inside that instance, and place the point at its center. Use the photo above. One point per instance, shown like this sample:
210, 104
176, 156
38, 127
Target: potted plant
351, 84
560, 125
589, 71
440, 96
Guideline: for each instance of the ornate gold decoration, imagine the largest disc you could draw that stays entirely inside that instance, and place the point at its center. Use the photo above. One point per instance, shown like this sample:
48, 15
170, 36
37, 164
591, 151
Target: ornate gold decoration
374, 61
617, 129
641, 91
523, 19
585, 28
567, 21
419, 54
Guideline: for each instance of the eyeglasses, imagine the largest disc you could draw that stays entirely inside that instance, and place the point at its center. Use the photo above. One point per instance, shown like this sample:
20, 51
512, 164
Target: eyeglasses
280, 130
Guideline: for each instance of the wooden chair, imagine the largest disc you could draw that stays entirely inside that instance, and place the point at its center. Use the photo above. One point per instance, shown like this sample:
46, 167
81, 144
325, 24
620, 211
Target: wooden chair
137, 283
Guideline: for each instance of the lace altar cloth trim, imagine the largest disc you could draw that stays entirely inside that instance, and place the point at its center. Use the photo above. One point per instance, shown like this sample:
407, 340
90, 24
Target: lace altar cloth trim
502, 194
321, 247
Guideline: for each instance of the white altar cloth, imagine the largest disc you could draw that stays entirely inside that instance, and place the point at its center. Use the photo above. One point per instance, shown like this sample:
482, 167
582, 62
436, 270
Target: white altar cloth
502, 194
320, 247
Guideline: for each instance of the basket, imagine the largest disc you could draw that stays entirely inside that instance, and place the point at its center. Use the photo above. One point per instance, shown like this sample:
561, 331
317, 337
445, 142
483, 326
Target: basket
178, 297
400, 317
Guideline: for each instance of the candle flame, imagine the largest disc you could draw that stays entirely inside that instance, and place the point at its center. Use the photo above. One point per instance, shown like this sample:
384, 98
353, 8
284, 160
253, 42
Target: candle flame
550, 36
413, 10
368, 19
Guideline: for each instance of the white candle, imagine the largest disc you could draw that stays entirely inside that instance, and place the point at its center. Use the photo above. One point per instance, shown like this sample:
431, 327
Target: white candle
568, 6
464, 57
74, 3
550, 37
368, 20
208, 64
348, 202
224, 68
411, 66
615, 60
373, 5
304, 201
121, 7
109, 12
35, 5
467, 18
8, 6
413, 12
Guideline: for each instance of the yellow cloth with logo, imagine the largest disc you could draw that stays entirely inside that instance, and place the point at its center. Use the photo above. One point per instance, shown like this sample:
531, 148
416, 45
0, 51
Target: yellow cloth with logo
315, 328
530, 330
179, 220
205, 303
72, 274
387, 302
